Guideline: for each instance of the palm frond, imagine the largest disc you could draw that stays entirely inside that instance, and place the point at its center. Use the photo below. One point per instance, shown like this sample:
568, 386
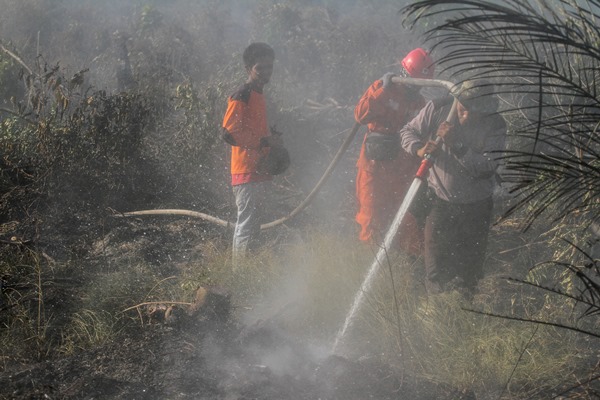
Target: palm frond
544, 57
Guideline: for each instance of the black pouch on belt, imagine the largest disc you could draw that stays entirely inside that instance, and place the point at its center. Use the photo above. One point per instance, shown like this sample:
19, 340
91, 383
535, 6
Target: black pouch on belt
382, 146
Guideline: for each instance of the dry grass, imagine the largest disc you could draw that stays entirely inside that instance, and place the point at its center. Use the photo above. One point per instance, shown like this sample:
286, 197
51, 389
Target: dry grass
89, 329
23, 321
433, 337
308, 288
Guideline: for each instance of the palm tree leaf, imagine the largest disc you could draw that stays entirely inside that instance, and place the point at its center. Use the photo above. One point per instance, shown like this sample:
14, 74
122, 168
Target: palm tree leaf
545, 59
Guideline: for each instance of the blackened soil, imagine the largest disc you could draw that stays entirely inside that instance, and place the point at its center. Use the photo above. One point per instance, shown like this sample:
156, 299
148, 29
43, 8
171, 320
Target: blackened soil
200, 357
210, 360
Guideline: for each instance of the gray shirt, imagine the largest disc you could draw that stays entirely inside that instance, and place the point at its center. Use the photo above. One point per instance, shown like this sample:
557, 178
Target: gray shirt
460, 174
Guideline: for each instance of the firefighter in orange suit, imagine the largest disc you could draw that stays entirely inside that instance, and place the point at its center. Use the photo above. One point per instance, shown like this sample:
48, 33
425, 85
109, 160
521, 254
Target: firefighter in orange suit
385, 171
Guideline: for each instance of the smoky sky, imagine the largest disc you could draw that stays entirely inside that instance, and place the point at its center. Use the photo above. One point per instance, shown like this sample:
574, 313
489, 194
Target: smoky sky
326, 51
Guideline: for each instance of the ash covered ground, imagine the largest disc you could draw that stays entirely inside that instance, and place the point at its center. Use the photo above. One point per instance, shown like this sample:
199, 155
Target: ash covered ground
211, 360
207, 355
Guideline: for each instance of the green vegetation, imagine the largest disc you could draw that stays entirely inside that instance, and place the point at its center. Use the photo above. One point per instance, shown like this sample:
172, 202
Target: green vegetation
77, 148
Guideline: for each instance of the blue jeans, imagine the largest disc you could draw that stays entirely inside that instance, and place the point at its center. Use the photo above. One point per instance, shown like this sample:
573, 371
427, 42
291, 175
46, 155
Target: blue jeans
251, 200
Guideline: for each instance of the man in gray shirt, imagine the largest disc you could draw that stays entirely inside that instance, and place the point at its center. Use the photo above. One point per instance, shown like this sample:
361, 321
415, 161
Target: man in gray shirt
458, 204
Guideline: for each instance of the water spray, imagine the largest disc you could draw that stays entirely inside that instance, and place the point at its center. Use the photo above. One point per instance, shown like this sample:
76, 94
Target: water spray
420, 177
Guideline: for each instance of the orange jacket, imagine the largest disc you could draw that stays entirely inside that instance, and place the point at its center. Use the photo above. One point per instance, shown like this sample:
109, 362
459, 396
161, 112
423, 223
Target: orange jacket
381, 185
245, 122
385, 111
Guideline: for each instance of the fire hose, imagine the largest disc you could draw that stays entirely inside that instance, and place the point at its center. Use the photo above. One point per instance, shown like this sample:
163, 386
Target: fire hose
344, 146
293, 213
420, 177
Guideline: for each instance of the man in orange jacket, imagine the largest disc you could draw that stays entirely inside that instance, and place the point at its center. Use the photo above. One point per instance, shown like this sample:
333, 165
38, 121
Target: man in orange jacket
385, 171
245, 128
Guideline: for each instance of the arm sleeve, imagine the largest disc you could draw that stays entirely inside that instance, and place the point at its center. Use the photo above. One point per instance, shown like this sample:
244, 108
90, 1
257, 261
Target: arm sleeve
413, 134
237, 126
372, 104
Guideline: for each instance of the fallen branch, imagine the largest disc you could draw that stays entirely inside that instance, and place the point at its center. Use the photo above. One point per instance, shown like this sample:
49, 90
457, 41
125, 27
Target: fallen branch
150, 303
187, 213
6, 110
17, 59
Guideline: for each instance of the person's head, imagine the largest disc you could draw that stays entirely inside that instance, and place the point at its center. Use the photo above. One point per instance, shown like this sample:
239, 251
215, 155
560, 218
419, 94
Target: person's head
476, 99
258, 61
418, 64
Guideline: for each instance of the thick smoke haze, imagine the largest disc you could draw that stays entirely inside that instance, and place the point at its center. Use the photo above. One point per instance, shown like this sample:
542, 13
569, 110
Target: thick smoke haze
113, 106
327, 52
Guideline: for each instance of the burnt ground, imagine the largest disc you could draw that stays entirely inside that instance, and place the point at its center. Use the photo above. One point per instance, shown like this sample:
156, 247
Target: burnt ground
206, 355
209, 360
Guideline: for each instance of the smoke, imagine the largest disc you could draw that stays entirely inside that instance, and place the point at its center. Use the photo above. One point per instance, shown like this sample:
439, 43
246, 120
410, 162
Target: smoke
184, 58
271, 352
325, 50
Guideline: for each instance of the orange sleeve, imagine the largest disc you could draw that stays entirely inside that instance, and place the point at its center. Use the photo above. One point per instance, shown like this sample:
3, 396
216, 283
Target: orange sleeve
386, 111
373, 103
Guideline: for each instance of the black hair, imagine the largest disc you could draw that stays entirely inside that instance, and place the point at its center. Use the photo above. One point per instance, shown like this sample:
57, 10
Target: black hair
255, 51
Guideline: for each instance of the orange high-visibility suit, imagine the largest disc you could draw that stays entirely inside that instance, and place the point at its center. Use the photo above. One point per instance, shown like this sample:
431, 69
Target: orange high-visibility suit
381, 185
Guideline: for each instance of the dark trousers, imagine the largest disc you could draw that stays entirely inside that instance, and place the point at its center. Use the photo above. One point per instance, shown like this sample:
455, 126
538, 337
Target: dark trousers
456, 238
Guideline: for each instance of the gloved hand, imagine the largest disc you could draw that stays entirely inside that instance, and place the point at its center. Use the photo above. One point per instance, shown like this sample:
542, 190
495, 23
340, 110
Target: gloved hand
447, 132
451, 138
387, 79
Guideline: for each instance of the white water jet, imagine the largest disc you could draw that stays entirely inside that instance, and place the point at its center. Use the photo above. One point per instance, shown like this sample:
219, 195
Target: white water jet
378, 261
420, 176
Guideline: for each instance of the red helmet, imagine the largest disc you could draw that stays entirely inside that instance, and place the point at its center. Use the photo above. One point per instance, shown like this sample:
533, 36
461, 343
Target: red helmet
419, 64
